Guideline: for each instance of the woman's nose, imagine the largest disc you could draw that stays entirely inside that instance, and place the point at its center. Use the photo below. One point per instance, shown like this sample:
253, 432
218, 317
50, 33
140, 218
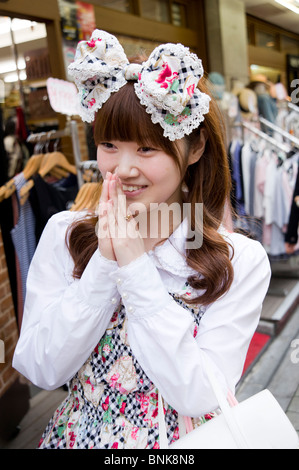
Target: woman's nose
126, 168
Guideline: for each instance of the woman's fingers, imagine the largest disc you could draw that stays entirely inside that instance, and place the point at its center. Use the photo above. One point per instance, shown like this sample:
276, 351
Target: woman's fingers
105, 242
105, 188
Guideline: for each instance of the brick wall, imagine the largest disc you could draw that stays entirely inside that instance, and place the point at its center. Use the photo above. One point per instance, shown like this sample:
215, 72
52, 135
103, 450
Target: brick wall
8, 326
14, 389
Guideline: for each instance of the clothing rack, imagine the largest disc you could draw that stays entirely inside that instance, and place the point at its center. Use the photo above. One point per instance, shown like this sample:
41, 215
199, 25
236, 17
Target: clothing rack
288, 267
90, 165
285, 134
70, 130
283, 147
293, 107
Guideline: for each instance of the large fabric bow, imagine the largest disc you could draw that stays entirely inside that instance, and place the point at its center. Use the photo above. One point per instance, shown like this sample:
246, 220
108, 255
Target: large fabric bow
166, 84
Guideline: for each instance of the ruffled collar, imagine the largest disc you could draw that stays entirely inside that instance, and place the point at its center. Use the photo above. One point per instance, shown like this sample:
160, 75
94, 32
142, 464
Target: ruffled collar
171, 255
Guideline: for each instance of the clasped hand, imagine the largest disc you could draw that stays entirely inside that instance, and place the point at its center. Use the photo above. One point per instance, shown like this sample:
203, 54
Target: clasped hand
119, 239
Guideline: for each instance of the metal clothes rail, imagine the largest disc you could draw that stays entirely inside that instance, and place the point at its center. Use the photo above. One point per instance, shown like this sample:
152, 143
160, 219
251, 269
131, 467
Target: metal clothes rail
293, 107
283, 147
70, 130
280, 131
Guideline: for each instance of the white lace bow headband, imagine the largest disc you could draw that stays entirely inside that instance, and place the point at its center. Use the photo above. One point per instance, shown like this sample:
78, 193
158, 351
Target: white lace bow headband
166, 84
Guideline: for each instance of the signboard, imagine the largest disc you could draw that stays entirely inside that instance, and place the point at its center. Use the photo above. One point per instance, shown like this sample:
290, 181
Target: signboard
63, 96
85, 20
77, 24
77, 20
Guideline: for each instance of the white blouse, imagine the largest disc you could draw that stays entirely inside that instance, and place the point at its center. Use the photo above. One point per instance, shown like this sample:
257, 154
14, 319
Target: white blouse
64, 318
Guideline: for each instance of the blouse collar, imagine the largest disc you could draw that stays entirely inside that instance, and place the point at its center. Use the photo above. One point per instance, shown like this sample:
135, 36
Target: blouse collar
171, 255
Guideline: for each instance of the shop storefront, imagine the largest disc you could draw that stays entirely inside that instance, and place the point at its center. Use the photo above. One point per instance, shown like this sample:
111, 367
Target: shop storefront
37, 41
273, 52
30, 53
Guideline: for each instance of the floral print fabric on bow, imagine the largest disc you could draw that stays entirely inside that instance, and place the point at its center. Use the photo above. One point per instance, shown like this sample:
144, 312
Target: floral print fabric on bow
171, 80
167, 86
166, 83
98, 71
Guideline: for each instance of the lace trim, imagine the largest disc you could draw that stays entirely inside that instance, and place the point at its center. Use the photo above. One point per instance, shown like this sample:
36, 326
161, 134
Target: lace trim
169, 258
166, 83
176, 126
98, 71
167, 86
91, 98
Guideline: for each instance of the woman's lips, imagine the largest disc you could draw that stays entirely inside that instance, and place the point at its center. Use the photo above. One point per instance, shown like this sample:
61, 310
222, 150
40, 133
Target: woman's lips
133, 190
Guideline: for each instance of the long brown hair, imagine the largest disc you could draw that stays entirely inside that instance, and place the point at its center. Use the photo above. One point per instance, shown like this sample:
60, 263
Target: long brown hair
123, 118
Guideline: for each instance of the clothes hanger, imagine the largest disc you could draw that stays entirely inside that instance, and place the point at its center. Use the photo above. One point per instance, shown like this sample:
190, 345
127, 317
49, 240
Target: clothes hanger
87, 197
49, 162
54, 159
7, 189
33, 165
30, 169
9, 186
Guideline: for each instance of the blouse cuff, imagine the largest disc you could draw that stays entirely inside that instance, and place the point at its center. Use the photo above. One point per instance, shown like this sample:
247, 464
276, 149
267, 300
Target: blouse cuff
95, 285
140, 287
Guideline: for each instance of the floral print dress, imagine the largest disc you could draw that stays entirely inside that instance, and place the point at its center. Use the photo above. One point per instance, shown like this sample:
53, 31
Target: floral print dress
112, 404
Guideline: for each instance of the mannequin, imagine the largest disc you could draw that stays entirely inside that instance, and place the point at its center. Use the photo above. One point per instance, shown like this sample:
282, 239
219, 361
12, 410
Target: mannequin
248, 102
227, 102
266, 104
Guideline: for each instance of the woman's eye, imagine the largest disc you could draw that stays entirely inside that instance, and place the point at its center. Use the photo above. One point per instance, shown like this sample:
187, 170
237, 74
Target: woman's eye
146, 149
107, 145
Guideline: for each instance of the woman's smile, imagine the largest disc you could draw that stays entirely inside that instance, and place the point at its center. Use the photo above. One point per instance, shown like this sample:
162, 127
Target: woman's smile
131, 191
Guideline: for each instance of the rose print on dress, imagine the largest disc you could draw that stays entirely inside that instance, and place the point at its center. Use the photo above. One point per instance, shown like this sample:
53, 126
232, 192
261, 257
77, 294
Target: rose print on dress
93, 390
124, 332
113, 385
104, 347
122, 375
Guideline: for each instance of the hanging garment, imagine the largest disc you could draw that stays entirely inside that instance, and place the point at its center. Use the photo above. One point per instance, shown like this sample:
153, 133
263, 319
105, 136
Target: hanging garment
291, 235
267, 109
47, 199
235, 151
23, 233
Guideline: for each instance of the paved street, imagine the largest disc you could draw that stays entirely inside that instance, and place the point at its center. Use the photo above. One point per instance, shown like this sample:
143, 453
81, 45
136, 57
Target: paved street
278, 370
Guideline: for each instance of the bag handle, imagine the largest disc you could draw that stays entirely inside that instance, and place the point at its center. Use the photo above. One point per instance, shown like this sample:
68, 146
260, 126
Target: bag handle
230, 419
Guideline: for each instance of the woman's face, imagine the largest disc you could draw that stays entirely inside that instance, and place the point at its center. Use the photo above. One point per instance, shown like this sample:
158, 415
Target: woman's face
148, 175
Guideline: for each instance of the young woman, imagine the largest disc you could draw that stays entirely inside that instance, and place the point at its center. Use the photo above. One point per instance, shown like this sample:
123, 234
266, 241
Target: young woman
119, 307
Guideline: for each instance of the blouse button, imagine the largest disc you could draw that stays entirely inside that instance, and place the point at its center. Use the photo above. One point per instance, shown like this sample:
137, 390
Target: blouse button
118, 280
130, 309
125, 295
113, 300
